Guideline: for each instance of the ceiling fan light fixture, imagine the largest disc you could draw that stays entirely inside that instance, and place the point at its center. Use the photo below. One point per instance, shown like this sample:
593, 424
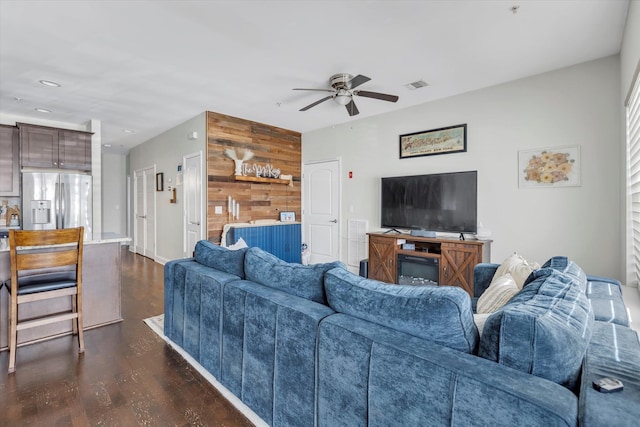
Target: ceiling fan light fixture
342, 97
344, 89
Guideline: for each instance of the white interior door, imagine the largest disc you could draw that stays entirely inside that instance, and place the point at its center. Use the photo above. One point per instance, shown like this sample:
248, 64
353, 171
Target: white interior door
144, 198
321, 210
139, 212
150, 220
193, 197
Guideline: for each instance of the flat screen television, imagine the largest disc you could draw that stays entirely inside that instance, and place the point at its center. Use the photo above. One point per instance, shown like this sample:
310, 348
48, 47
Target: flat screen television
445, 202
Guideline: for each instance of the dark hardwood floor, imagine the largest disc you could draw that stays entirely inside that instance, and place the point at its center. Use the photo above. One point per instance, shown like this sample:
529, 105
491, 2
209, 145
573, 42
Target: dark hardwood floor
127, 376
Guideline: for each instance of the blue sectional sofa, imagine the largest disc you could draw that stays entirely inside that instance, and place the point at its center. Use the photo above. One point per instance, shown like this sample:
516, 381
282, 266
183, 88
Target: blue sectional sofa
319, 346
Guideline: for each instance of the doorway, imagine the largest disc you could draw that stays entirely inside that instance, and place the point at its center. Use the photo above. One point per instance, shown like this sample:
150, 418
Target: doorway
321, 210
144, 209
194, 223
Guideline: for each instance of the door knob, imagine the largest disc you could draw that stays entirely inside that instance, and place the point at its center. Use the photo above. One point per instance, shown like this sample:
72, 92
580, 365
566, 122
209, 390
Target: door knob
335, 221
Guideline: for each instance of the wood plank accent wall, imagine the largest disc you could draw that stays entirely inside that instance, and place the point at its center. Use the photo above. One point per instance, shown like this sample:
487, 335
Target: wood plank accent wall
281, 148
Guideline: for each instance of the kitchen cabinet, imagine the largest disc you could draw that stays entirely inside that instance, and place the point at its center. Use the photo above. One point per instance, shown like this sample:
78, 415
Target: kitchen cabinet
74, 150
9, 161
47, 147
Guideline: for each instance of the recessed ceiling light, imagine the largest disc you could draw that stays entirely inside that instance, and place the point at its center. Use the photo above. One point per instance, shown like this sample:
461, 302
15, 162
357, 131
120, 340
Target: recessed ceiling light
128, 131
49, 83
42, 110
106, 145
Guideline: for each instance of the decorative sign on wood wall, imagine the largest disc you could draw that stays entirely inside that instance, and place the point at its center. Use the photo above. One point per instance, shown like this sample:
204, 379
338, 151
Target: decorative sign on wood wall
262, 197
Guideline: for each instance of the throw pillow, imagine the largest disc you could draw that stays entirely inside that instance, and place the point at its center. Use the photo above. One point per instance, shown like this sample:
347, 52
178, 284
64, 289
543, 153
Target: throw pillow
501, 290
518, 267
480, 320
223, 259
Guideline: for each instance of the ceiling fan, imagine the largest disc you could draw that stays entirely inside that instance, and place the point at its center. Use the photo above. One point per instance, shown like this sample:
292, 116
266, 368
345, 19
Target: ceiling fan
343, 91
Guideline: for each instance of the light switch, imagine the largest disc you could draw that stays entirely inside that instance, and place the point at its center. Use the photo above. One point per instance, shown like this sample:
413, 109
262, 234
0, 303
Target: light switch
218, 210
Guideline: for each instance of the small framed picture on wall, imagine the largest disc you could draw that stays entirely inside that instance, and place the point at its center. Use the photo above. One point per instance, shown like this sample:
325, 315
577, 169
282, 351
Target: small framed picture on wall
287, 216
160, 181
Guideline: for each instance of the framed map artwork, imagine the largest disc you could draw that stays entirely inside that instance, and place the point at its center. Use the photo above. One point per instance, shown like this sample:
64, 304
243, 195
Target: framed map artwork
452, 139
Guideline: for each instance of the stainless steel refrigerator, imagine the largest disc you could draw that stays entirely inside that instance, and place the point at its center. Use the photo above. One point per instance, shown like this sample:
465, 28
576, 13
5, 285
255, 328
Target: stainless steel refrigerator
53, 200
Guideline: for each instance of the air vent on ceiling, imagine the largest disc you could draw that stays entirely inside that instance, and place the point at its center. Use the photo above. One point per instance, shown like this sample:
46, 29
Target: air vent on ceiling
417, 84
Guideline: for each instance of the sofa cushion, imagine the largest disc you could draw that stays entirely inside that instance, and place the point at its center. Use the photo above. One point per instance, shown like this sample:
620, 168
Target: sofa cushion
438, 314
568, 267
604, 293
223, 259
497, 294
606, 300
614, 351
305, 281
544, 330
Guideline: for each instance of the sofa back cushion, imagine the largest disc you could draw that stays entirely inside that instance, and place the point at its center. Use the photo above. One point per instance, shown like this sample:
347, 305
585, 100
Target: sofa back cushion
568, 267
544, 330
438, 314
220, 258
305, 281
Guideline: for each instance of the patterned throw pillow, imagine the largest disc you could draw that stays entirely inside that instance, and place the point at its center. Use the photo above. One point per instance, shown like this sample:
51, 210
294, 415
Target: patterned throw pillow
501, 290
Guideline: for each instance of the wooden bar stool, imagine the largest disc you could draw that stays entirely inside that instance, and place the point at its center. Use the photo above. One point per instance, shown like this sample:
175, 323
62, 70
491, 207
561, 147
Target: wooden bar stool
41, 269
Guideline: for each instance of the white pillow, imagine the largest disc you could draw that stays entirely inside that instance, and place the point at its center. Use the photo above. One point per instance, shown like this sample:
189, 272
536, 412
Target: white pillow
480, 320
518, 267
499, 292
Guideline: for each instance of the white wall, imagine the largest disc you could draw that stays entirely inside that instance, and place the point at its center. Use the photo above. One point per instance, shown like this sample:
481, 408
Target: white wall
165, 151
578, 105
114, 193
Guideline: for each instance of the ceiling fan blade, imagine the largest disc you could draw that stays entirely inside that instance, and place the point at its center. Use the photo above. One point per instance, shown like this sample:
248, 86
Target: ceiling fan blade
352, 109
317, 90
376, 95
357, 81
315, 103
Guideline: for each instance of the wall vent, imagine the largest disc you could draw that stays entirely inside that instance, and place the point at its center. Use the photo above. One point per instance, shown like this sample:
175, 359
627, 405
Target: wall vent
357, 232
417, 84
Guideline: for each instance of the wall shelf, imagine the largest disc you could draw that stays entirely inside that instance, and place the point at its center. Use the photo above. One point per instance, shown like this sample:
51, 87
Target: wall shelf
261, 179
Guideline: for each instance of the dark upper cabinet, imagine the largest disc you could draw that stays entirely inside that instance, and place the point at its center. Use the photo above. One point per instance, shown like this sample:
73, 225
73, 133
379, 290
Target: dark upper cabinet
9, 161
38, 146
46, 147
74, 150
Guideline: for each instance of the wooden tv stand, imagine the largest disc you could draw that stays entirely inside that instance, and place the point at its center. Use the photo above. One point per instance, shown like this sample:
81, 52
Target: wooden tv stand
457, 258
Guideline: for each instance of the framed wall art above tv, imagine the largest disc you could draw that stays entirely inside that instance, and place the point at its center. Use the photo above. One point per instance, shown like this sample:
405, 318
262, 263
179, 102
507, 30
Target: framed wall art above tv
451, 139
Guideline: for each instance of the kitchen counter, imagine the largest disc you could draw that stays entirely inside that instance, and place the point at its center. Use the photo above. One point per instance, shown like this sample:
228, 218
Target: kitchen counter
100, 239
101, 292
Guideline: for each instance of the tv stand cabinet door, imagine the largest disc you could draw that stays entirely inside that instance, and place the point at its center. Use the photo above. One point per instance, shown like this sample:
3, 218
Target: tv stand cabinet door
382, 259
456, 265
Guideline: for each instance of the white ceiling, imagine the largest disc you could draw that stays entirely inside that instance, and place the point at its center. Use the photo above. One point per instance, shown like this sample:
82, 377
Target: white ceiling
150, 65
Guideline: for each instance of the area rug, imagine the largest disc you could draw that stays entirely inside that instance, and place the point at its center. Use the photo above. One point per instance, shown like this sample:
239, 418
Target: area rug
156, 323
